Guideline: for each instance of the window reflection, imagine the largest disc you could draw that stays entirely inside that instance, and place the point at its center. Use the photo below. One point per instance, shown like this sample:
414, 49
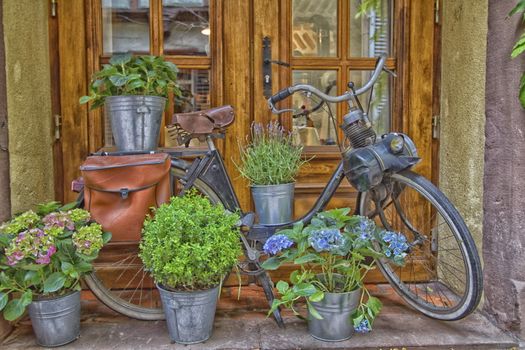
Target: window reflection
314, 28
125, 26
370, 28
195, 87
318, 128
379, 112
186, 27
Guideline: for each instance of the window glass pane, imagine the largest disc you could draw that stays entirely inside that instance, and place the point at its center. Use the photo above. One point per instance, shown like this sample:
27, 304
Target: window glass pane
314, 28
318, 128
380, 111
125, 26
195, 87
186, 27
370, 28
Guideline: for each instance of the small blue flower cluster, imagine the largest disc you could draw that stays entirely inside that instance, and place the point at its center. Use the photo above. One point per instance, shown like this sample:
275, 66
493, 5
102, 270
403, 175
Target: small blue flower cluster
326, 240
276, 244
366, 228
397, 244
363, 326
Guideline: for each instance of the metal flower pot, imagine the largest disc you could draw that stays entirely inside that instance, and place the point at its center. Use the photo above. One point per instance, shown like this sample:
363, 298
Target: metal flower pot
56, 321
135, 121
336, 310
189, 315
273, 203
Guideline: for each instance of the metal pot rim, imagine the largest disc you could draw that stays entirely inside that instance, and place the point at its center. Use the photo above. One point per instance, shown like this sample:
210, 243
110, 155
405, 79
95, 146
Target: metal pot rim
193, 292
116, 97
38, 298
285, 184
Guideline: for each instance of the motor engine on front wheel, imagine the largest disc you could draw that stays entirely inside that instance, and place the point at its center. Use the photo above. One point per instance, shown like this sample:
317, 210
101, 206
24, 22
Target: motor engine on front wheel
364, 167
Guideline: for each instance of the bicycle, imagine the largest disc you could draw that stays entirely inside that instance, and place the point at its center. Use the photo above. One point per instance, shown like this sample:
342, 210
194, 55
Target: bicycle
442, 277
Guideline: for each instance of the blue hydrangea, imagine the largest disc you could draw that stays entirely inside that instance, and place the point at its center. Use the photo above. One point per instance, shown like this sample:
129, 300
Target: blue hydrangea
397, 244
326, 240
363, 326
366, 228
276, 244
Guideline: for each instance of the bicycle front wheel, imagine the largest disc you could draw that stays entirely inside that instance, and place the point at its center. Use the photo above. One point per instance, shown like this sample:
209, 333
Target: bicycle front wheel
119, 278
442, 275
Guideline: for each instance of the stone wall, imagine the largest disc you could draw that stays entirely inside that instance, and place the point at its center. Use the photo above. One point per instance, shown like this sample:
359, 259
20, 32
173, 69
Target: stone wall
504, 202
28, 102
462, 141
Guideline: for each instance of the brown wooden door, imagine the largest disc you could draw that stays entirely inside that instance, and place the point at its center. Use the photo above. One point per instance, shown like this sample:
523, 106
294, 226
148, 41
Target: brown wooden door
218, 46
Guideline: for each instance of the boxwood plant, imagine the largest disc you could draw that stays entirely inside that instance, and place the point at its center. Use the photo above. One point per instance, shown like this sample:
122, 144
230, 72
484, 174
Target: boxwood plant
333, 253
44, 254
190, 244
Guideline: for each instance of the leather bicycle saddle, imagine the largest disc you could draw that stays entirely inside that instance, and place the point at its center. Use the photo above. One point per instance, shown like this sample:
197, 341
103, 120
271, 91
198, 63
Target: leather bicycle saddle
204, 122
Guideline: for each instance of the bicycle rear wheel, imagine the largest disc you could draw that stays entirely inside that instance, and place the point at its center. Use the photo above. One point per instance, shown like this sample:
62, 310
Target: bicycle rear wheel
442, 275
119, 278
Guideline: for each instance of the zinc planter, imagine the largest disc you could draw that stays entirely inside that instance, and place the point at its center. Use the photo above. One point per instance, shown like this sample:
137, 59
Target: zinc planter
336, 310
189, 315
135, 121
56, 321
273, 203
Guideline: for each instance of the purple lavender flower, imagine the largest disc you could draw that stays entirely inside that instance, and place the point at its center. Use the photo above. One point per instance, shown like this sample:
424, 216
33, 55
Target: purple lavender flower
276, 244
326, 240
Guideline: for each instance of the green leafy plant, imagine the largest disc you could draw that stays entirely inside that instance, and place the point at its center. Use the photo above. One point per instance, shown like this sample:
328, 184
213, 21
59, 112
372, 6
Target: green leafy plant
132, 75
519, 47
334, 253
44, 254
271, 158
190, 244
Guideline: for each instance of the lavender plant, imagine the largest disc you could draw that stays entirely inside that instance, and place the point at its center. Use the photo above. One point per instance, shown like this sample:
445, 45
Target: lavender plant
331, 253
271, 158
44, 254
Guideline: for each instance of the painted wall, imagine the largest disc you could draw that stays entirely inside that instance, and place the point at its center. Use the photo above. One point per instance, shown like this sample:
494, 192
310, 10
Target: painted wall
462, 141
28, 102
504, 203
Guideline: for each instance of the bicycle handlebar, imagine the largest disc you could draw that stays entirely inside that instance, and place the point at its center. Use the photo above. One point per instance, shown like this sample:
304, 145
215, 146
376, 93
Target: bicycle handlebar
284, 93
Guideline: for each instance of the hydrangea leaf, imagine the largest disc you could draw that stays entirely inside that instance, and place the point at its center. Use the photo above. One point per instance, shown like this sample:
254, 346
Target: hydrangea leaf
54, 282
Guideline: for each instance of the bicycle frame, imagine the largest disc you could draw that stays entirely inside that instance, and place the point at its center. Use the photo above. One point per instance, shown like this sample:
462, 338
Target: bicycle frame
210, 169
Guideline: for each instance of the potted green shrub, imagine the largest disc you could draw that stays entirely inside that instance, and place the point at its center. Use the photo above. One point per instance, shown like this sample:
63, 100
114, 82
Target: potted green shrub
133, 90
189, 247
43, 256
334, 252
270, 162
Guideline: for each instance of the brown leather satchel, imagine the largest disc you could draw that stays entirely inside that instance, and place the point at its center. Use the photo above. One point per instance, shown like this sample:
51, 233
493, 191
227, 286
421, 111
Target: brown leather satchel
119, 191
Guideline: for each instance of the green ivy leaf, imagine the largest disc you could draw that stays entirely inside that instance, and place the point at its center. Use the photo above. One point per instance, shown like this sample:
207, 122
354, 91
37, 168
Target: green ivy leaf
3, 300
119, 80
314, 312
304, 289
54, 282
282, 287
522, 91
317, 296
85, 99
16, 307
307, 258
120, 58
520, 7
374, 304
83, 266
272, 263
106, 237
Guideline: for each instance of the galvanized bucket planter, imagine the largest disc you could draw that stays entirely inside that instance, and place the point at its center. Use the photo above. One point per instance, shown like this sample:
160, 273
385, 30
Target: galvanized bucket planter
336, 310
273, 203
189, 315
56, 321
135, 121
